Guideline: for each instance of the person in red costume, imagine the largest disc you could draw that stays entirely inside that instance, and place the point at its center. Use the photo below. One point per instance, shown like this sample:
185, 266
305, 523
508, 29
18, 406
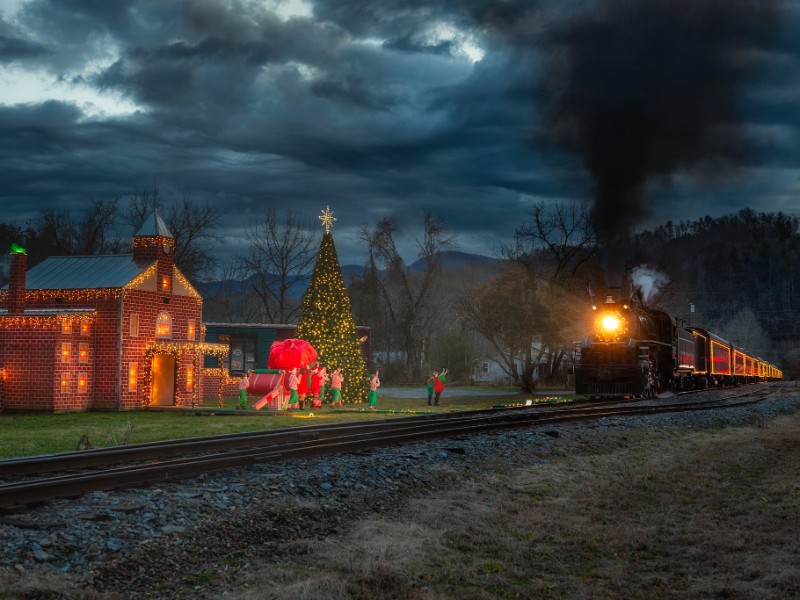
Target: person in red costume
438, 385
316, 381
303, 386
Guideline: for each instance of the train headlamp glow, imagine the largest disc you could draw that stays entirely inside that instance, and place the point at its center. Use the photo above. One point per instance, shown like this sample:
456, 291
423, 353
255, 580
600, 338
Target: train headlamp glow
610, 323
610, 326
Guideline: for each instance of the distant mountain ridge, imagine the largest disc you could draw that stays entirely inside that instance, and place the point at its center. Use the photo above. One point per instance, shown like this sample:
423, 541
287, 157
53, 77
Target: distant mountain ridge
450, 260
454, 259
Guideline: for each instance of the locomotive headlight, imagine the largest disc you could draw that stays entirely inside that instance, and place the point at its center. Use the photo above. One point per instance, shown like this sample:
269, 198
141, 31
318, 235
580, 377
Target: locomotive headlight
610, 326
610, 323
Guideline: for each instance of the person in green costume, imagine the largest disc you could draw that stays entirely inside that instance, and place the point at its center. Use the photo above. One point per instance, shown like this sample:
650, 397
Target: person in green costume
294, 398
429, 383
336, 388
374, 384
244, 383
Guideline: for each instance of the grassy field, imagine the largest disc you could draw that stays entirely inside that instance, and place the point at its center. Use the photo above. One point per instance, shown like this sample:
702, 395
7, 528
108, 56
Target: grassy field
31, 434
666, 513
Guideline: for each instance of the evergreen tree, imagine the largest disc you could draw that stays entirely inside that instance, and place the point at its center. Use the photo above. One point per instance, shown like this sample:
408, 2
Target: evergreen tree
327, 323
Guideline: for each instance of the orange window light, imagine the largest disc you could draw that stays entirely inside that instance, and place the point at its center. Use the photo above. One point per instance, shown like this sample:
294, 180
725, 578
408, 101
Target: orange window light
164, 325
83, 382
189, 378
84, 327
165, 282
66, 326
83, 352
133, 369
190, 331
66, 351
64, 383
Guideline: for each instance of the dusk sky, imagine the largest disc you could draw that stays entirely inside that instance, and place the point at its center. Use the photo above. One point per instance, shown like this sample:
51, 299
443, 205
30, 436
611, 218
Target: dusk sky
474, 110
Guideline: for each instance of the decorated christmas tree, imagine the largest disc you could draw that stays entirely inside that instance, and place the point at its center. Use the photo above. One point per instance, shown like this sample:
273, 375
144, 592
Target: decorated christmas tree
326, 320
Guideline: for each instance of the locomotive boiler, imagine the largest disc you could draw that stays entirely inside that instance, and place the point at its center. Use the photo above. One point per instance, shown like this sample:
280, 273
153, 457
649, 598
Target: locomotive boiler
637, 351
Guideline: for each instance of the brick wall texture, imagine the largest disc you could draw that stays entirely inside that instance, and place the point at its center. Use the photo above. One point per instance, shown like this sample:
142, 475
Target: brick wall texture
45, 366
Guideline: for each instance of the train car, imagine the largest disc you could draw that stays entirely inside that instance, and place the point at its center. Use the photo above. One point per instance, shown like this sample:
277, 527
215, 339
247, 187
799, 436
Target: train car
638, 351
728, 364
718, 366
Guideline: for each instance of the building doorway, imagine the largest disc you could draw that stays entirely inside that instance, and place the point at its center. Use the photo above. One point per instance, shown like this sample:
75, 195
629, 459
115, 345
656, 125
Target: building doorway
163, 377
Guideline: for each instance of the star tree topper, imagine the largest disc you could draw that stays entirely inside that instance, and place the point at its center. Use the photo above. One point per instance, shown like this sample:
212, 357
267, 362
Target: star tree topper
327, 219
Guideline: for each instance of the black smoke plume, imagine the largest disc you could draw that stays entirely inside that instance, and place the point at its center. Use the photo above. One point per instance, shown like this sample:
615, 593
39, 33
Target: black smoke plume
642, 90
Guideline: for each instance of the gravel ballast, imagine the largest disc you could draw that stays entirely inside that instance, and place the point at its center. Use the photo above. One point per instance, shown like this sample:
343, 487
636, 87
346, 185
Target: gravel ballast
193, 539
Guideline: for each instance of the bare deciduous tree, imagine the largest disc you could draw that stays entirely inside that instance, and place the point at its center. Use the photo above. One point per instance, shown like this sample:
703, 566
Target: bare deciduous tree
225, 300
558, 240
58, 233
192, 226
281, 256
531, 313
93, 233
505, 312
409, 299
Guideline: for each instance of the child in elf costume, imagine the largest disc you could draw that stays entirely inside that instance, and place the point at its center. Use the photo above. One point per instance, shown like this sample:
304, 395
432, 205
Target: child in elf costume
315, 387
294, 398
244, 383
336, 388
318, 388
374, 384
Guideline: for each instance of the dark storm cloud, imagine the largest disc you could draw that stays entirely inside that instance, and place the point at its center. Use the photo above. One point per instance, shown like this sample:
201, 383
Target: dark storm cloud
372, 107
641, 91
12, 49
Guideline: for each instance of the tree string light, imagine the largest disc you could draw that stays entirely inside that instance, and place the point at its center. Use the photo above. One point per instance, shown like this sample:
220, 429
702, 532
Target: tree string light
327, 323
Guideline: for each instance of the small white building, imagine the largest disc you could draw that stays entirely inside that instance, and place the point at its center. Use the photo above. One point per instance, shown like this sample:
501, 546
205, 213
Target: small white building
488, 370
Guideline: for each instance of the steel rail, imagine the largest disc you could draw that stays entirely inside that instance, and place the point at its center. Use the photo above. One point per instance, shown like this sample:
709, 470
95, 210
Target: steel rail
341, 439
104, 457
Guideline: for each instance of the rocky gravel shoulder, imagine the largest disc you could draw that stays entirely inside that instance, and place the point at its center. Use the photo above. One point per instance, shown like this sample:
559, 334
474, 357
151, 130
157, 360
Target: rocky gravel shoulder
197, 538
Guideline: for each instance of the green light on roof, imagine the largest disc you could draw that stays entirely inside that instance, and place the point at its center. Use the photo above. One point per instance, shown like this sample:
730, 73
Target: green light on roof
17, 249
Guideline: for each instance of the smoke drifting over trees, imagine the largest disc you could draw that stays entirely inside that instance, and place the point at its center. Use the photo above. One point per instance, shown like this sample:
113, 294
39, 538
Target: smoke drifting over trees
641, 91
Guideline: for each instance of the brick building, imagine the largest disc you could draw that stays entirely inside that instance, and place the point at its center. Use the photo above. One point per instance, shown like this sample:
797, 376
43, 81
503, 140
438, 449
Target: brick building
109, 332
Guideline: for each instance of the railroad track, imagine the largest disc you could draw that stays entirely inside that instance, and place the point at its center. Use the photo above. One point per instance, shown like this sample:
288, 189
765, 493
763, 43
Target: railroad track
74, 474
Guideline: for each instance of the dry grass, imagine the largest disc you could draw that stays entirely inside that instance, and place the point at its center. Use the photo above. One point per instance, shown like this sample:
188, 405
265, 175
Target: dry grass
641, 514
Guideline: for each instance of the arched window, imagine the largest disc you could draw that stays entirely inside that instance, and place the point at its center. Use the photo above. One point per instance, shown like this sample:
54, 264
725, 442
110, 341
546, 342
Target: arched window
164, 325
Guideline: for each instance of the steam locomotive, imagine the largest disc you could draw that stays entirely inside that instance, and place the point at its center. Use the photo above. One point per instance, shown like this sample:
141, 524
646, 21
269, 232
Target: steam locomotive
636, 351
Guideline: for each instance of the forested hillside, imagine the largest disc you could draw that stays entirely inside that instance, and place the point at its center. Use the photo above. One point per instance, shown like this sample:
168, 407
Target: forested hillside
741, 272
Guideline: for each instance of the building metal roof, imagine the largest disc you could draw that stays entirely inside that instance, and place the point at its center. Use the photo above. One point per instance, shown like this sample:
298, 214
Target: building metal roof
154, 225
84, 272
